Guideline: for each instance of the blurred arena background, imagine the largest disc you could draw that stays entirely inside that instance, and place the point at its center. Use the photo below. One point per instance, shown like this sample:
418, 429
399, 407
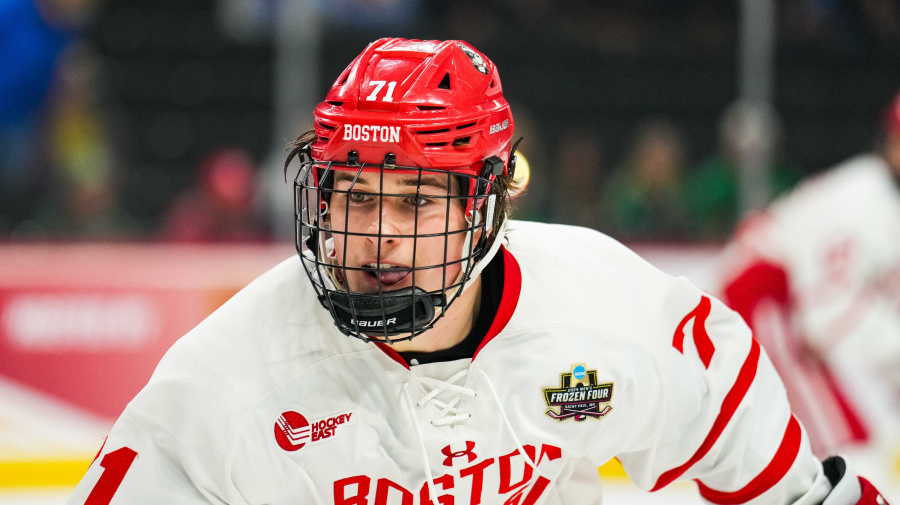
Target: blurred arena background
142, 142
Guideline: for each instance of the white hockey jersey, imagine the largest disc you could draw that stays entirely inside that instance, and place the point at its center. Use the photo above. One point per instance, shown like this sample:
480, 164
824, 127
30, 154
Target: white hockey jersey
594, 354
834, 243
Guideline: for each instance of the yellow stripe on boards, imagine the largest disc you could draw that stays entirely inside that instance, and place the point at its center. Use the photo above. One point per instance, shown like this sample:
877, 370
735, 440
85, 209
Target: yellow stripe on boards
16, 474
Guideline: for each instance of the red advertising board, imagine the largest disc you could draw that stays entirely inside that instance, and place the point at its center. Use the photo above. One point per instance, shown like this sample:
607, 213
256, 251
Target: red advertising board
88, 323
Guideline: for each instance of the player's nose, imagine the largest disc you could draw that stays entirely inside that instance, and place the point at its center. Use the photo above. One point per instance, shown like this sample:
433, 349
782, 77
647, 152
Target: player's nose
387, 224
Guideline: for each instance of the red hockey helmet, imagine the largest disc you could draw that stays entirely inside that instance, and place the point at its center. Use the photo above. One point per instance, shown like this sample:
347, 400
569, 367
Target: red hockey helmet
430, 103
408, 107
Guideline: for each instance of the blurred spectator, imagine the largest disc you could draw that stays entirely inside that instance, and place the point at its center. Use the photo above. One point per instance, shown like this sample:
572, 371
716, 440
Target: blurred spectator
817, 277
83, 198
713, 187
221, 206
644, 199
624, 32
577, 173
33, 35
381, 14
858, 25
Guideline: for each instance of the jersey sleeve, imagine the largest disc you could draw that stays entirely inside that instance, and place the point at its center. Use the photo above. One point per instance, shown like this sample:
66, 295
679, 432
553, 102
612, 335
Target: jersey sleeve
722, 417
142, 462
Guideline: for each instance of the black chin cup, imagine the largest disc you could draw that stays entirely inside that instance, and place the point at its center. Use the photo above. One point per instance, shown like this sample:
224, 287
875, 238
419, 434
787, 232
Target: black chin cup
385, 314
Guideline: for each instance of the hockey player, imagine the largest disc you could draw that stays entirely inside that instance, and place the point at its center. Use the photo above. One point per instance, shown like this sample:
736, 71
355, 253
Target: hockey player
817, 277
422, 348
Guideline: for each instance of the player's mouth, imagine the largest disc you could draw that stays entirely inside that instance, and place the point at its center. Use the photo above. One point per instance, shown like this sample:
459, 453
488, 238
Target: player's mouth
385, 274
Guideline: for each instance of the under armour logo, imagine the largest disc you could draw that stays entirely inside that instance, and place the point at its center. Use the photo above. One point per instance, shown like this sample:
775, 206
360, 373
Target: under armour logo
448, 461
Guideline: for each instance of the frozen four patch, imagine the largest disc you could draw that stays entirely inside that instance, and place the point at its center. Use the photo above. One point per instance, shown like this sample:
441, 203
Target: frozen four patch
578, 396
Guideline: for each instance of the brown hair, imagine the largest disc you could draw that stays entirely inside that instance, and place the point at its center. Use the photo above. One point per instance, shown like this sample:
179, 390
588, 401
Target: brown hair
296, 147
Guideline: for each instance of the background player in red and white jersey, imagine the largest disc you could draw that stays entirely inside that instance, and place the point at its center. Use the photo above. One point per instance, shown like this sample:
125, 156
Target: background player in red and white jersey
817, 277
423, 348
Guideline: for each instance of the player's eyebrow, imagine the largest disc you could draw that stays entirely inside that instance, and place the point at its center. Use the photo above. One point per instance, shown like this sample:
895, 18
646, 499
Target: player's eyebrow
431, 181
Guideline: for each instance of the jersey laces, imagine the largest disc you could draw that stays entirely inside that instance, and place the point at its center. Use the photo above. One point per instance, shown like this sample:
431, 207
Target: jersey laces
446, 397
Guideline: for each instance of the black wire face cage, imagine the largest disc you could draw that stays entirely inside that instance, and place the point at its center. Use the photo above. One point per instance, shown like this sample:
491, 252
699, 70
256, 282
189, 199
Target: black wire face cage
339, 209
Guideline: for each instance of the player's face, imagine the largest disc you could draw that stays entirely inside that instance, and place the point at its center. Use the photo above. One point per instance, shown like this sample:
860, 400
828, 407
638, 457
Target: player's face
364, 210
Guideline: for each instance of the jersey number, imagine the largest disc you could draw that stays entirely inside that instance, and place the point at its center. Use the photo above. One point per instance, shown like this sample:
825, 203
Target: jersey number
702, 342
388, 95
115, 465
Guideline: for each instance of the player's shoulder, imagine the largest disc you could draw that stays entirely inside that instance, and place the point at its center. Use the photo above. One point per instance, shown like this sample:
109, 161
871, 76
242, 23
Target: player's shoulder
851, 179
569, 254
271, 330
273, 314
862, 167
581, 278
563, 240
839, 196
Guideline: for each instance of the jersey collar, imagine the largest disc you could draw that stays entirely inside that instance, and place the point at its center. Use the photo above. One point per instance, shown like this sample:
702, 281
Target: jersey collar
512, 287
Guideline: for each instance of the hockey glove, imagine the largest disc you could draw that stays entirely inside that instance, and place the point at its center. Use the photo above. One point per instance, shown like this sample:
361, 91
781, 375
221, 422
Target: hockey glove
846, 487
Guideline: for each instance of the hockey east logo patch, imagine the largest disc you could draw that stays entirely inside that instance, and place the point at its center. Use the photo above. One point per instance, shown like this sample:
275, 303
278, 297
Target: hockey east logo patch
293, 431
578, 396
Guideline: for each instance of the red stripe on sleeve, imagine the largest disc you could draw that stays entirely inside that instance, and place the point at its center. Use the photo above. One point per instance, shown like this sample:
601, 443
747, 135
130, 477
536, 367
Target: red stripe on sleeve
859, 431
778, 467
729, 405
705, 347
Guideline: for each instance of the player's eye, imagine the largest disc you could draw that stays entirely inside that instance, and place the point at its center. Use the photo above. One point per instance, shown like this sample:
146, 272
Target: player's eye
418, 200
356, 197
